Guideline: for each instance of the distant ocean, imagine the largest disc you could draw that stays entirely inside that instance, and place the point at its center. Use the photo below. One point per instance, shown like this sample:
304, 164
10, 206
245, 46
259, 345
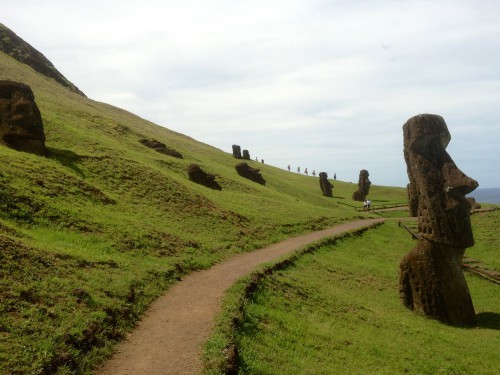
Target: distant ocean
486, 195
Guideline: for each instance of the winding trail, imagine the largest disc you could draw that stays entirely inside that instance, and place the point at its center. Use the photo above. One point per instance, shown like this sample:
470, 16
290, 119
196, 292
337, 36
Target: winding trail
170, 337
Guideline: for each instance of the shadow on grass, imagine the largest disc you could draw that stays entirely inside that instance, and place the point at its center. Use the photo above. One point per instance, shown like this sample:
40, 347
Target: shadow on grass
67, 158
488, 320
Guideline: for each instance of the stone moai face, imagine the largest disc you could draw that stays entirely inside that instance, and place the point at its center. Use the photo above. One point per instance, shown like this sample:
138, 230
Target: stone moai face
325, 185
364, 182
443, 210
21, 125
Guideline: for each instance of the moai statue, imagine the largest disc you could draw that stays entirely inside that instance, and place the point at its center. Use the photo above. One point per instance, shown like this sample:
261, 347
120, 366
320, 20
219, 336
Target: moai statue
325, 185
237, 151
473, 204
431, 280
21, 125
253, 174
246, 155
363, 186
196, 174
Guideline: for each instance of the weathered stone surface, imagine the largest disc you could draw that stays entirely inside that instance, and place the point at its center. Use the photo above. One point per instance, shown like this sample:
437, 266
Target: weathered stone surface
244, 170
237, 151
363, 186
473, 204
196, 174
246, 155
325, 185
161, 148
21, 125
431, 279
412, 201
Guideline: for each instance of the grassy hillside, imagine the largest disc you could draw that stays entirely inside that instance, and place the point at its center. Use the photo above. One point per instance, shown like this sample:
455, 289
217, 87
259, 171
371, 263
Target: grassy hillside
90, 234
337, 311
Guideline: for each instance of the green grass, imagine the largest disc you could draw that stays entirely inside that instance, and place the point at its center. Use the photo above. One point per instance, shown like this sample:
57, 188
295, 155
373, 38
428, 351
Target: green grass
94, 231
337, 311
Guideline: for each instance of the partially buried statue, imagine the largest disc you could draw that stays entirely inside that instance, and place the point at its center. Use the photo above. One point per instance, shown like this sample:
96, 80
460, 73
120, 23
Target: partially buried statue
237, 151
325, 185
431, 280
21, 125
363, 186
161, 148
244, 170
196, 174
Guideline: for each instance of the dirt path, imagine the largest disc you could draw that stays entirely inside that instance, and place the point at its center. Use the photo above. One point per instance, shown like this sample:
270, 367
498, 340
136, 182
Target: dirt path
170, 337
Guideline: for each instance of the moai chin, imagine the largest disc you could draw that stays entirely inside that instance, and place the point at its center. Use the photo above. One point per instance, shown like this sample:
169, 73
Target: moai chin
431, 280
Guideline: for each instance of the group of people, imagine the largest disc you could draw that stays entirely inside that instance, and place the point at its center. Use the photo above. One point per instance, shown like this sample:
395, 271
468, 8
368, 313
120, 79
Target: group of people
367, 204
306, 172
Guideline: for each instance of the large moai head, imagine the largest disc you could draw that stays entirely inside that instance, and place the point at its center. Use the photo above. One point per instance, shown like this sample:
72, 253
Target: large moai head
237, 151
363, 186
325, 185
196, 174
440, 187
253, 174
21, 125
364, 182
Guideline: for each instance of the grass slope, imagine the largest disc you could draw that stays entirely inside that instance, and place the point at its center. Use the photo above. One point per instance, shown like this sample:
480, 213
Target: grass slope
337, 311
92, 233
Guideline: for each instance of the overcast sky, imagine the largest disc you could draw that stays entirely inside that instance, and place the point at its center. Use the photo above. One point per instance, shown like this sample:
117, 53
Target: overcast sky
324, 85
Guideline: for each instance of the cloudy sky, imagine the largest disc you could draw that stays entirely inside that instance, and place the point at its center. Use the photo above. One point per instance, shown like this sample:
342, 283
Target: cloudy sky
324, 85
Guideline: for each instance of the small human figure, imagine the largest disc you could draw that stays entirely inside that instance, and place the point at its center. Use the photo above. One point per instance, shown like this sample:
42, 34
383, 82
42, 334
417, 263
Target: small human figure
335, 176
256, 159
314, 173
305, 172
368, 205
365, 205
289, 167
298, 169
262, 160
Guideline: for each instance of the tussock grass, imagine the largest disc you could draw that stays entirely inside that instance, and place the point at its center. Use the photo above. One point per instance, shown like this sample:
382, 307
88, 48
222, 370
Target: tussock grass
337, 311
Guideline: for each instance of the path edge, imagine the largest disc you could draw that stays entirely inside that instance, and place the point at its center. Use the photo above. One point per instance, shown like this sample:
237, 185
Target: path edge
224, 358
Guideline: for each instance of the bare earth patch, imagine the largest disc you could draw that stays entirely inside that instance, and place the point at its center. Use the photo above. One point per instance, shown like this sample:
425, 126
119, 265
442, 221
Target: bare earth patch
170, 337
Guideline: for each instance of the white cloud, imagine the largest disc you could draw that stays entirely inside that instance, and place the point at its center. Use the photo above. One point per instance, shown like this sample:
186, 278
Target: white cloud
321, 83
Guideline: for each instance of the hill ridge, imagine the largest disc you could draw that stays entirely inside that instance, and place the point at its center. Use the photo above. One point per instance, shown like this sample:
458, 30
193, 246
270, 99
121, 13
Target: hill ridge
14, 46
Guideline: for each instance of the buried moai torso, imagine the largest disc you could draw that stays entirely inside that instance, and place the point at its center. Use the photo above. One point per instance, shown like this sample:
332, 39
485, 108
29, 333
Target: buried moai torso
363, 186
253, 174
21, 125
431, 277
